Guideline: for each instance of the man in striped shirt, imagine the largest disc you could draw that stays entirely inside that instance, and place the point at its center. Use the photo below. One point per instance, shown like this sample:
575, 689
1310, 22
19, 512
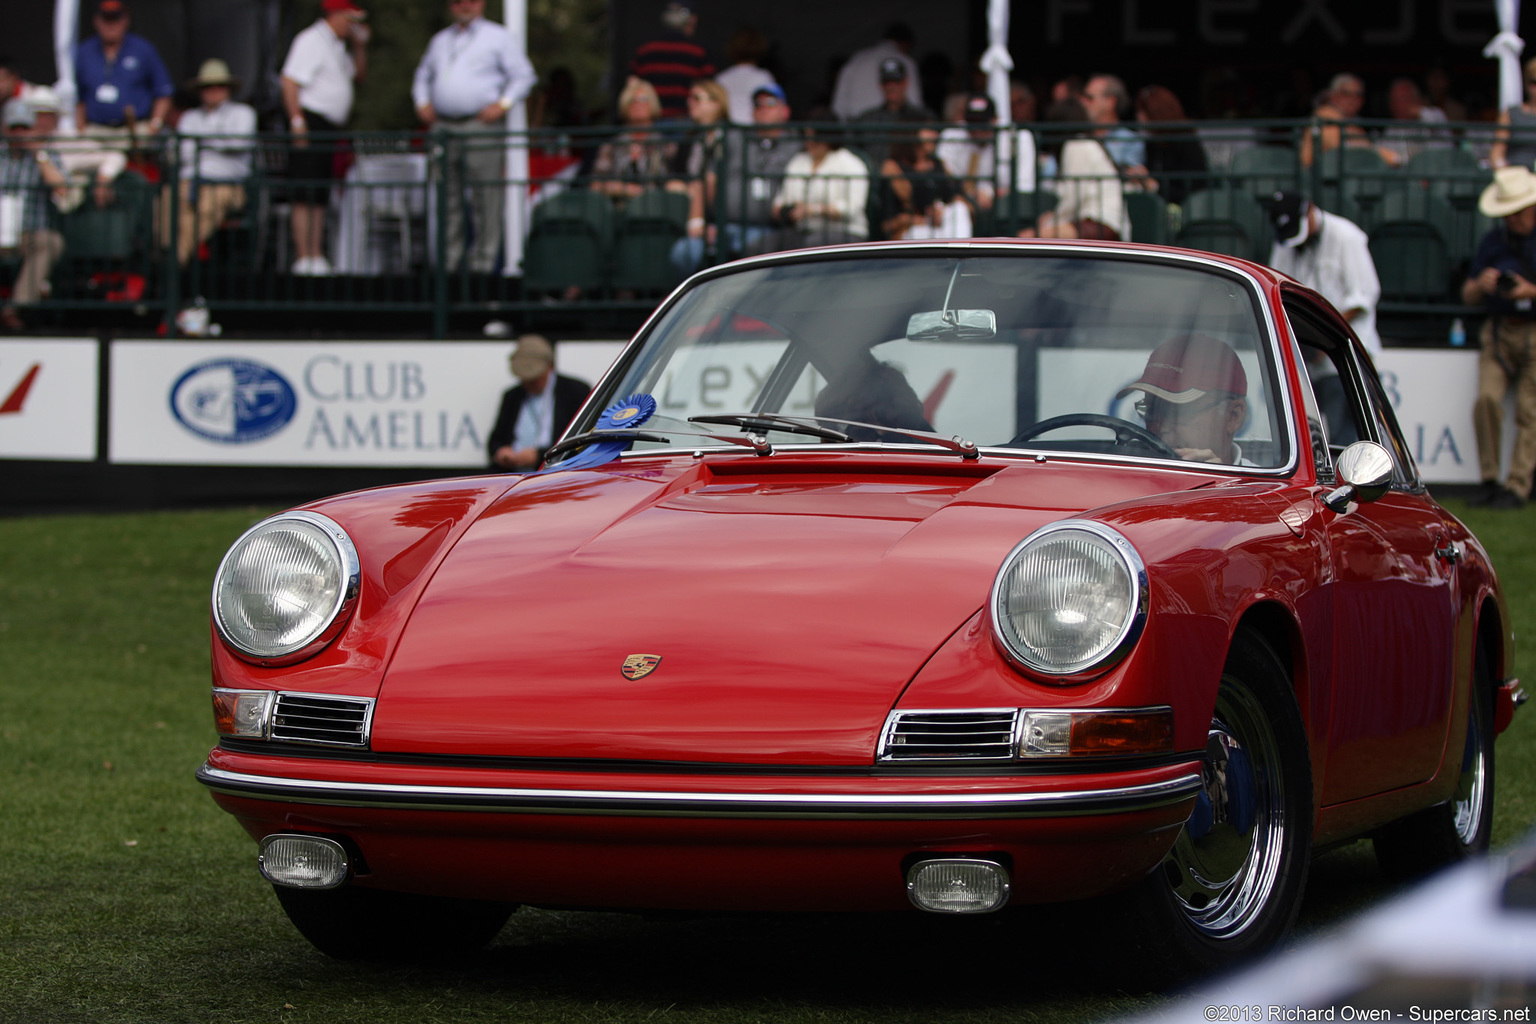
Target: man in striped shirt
29, 174
673, 62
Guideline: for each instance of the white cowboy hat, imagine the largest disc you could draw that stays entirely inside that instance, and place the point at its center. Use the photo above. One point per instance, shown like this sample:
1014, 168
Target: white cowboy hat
214, 72
1513, 189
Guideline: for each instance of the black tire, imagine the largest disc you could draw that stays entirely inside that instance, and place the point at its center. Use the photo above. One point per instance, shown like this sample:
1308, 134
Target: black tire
1232, 884
353, 923
1447, 833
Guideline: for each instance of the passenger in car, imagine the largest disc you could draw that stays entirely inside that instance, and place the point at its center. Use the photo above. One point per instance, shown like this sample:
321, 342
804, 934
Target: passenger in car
1196, 398
872, 392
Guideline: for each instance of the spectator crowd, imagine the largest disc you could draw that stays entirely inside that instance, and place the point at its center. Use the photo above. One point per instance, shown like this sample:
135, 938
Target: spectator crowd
749, 174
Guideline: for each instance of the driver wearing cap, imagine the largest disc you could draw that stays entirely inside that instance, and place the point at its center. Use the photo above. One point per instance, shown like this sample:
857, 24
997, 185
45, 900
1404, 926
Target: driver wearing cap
1194, 390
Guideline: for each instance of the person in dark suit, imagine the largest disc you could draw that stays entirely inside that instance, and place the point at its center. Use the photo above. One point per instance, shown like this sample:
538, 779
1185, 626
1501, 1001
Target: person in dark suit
536, 412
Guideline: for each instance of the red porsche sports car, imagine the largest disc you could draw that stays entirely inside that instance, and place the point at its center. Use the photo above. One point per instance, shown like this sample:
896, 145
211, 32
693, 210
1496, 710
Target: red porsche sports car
959, 576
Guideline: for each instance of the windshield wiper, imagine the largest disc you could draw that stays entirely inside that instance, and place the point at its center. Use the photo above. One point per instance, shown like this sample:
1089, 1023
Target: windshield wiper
757, 443
812, 425
570, 444
766, 421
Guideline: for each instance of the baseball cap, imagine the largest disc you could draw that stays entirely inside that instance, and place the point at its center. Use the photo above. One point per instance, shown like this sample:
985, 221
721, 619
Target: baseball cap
892, 70
111, 10
676, 16
1185, 368
532, 355
343, 7
42, 99
1288, 213
19, 114
979, 109
772, 89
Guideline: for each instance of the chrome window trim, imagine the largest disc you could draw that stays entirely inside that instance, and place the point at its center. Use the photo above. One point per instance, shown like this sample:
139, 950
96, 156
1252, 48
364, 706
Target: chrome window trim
1129, 634
519, 800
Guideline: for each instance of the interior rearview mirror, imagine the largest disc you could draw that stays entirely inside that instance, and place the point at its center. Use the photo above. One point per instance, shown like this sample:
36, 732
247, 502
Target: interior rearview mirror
952, 325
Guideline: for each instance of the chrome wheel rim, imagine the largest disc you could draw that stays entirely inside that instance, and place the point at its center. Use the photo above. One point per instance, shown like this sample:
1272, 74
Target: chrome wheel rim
1223, 868
1467, 805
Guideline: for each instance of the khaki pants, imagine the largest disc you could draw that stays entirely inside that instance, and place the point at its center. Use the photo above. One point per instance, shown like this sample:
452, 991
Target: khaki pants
196, 224
1506, 361
39, 250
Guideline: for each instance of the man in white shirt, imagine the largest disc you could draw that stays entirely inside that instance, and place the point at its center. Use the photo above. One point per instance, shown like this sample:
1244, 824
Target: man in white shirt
323, 62
1330, 255
981, 158
858, 82
84, 160
473, 73
216, 142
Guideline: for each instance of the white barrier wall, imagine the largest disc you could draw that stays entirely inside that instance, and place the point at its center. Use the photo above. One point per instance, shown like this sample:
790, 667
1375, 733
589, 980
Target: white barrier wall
413, 404
316, 403
48, 399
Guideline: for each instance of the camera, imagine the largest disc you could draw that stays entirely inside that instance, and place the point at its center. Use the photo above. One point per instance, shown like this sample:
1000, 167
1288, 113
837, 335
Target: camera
1506, 283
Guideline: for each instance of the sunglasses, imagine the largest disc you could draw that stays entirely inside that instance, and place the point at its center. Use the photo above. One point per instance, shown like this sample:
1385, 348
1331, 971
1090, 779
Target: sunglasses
1161, 409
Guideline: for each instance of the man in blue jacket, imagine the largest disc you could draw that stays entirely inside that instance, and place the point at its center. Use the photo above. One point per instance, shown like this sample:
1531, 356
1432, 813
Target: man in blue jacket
120, 80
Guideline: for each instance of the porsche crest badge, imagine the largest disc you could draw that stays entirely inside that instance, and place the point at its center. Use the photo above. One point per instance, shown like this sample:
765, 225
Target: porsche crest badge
637, 666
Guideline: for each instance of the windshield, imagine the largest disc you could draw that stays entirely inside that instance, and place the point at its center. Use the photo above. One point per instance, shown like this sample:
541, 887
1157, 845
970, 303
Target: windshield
1034, 351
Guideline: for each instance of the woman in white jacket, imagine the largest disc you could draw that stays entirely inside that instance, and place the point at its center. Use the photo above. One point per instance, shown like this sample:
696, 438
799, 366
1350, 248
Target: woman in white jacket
1090, 195
825, 191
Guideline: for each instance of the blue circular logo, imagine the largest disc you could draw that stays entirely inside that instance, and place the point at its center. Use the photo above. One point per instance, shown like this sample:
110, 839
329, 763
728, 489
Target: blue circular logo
233, 401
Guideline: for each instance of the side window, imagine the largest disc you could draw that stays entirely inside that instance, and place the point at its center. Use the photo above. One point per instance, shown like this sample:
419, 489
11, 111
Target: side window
1389, 434
1348, 395
1333, 406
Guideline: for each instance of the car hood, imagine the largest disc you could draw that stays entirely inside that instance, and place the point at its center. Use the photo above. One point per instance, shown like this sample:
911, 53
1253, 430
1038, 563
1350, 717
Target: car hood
789, 602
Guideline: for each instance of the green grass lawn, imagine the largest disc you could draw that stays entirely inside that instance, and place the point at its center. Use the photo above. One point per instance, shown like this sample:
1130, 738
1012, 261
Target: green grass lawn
126, 895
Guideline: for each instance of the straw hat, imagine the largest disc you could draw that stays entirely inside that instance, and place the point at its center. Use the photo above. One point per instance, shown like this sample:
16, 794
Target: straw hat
1513, 189
214, 72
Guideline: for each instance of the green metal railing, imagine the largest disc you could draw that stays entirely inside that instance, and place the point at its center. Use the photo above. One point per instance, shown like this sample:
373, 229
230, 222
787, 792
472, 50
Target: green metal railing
599, 250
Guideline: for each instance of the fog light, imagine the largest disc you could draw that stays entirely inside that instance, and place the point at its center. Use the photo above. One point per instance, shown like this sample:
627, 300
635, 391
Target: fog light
302, 862
958, 886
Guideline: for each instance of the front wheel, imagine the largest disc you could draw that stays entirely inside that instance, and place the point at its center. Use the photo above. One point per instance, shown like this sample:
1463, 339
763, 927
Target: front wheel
1447, 833
354, 923
1232, 884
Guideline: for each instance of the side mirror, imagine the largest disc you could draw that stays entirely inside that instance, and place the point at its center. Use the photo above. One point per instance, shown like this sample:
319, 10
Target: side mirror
1365, 469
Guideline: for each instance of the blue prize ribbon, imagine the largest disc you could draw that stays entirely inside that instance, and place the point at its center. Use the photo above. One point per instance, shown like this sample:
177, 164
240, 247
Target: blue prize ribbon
628, 414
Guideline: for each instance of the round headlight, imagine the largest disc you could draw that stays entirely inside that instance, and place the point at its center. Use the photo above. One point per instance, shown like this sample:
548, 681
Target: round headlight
281, 590
1070, 600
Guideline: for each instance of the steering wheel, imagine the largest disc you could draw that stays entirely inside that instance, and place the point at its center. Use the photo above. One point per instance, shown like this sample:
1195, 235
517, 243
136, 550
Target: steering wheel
1125, 431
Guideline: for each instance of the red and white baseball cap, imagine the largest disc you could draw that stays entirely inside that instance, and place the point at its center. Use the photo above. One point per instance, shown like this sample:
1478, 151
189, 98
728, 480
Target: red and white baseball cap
1183, 369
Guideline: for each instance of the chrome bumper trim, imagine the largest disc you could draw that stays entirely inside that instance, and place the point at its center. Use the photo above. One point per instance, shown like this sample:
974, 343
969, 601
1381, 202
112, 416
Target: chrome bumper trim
1118, 799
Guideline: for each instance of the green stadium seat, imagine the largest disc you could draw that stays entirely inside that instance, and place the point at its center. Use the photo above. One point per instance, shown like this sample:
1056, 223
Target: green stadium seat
570, 242
1410, 243
648, 226
1149, 217
1225, 220
1264, 170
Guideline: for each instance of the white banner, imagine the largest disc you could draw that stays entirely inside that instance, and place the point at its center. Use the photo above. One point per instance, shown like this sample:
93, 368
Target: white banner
1431, 391
316, 403
48, 394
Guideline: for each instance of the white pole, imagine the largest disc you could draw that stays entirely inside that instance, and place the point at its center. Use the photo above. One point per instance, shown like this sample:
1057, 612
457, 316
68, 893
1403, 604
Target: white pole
515, 17
996, 62
1507, 47
66, 25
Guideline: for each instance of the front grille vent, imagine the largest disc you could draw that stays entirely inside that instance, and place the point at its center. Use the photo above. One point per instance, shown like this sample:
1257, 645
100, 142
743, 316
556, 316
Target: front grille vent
312, 718
950, 736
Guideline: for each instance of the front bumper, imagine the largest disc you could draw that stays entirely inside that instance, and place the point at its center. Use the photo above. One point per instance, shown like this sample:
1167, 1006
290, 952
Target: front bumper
730, 841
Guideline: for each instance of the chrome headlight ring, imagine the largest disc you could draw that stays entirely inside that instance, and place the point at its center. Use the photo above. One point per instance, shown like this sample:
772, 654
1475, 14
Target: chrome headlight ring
1069, 601
285, 588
